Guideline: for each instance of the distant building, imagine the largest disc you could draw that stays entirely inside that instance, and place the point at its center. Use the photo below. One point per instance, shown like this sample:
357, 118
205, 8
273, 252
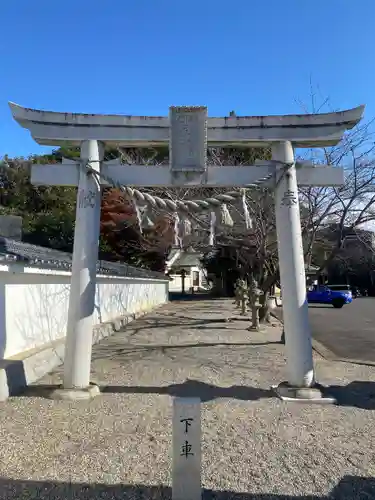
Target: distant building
185, 270
311, 275
361, 239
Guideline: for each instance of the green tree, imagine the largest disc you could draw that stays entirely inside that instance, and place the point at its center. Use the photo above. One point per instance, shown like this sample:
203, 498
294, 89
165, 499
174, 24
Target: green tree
48, 212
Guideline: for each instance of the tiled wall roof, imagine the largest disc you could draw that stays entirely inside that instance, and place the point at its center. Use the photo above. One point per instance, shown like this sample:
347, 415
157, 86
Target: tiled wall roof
34, 256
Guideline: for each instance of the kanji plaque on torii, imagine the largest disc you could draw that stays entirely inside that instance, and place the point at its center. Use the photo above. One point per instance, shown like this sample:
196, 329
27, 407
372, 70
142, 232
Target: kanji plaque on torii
188, 139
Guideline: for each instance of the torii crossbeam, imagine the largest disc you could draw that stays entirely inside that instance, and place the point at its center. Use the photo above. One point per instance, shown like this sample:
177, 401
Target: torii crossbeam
188, 131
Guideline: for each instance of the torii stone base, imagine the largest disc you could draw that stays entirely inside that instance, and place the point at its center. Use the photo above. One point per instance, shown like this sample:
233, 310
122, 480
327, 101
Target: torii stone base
74, 394
314, 394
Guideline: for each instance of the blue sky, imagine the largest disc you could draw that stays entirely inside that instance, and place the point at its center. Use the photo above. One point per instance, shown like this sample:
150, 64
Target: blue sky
141, 56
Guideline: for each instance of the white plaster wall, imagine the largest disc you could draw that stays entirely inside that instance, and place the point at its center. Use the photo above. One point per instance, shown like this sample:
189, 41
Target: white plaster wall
34, 304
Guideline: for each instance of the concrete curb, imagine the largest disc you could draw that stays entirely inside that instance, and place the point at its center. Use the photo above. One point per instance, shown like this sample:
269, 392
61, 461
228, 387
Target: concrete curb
19, 371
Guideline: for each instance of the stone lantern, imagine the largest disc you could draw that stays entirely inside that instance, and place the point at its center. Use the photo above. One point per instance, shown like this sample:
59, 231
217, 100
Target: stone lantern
237, 299
242, 295
254, 294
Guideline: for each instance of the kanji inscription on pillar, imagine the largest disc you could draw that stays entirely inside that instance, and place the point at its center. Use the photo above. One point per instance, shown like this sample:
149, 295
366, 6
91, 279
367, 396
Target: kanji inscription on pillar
188, 139
87, 198
186, 467
289, 198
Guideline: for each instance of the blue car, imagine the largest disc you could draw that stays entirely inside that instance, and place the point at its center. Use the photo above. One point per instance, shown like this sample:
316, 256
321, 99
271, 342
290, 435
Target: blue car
324, 295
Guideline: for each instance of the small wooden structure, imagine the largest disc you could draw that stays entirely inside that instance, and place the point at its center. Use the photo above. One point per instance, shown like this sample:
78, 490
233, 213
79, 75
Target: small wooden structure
185, 271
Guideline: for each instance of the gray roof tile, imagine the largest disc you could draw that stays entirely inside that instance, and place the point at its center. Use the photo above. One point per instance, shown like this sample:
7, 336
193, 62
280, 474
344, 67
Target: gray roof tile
16, 251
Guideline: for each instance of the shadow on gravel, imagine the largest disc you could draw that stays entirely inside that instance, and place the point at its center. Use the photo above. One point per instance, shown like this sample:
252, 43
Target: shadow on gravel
166, 347
189, 297
189, 389
195, 389
173, 321
115, 351
358, 394
349, 488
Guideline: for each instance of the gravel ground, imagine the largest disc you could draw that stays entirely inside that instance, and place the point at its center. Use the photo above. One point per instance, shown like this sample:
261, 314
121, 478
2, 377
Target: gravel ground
254, 445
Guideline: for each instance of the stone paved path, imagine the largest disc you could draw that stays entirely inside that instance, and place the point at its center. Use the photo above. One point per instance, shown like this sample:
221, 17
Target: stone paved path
254, 445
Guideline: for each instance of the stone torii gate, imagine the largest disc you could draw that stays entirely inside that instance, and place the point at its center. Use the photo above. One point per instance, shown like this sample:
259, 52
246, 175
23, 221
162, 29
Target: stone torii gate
188, 131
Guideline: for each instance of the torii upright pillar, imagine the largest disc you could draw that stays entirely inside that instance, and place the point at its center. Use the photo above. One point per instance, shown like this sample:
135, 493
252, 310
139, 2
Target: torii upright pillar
83, 281
292, 271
